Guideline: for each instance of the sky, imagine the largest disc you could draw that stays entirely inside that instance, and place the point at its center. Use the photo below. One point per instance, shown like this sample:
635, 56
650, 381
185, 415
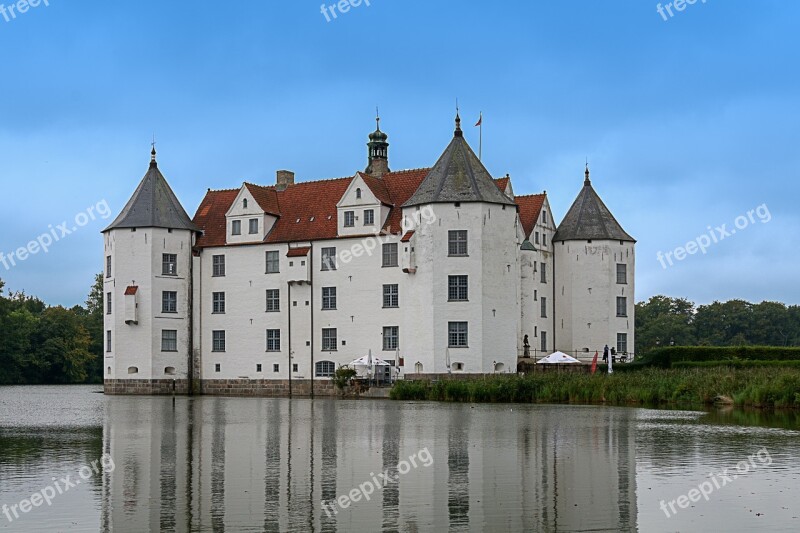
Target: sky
689, 122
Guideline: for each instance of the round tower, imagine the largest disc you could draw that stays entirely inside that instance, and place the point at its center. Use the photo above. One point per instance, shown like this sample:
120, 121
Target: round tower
594, 278
148, 292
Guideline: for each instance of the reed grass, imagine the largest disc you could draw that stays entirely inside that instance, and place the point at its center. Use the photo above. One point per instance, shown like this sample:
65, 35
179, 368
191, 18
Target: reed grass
759, 387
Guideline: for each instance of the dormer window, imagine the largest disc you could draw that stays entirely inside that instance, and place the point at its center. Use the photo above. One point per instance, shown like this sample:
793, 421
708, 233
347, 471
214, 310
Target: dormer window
244, 203
253, 226
349, 219
369, 217
358, 194
236, 227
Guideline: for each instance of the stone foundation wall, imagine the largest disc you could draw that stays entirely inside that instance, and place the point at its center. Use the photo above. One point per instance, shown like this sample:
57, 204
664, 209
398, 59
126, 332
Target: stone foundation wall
265, 388
153, 387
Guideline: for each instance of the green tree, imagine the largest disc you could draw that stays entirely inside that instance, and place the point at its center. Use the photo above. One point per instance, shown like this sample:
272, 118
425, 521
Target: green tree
662, 320
61, 344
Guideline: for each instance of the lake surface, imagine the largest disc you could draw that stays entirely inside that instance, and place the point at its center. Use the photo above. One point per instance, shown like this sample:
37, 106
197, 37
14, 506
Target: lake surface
231, 464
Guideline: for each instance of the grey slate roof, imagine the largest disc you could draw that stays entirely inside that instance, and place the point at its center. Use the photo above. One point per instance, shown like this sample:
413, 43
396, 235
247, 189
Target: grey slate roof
153, 205
589, 218
458, 176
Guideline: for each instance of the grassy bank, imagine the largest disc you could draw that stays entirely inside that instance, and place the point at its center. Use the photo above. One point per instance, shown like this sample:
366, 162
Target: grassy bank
746, 387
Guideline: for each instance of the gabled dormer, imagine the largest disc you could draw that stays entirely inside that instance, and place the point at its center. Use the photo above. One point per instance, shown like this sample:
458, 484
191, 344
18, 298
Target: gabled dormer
251, 215
364, 206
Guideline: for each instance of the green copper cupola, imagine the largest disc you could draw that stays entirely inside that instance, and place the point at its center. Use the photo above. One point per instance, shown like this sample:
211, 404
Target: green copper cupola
378, 152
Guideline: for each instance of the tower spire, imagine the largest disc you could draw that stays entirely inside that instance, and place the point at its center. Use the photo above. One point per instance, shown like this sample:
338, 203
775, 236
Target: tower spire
153, 152
458, 132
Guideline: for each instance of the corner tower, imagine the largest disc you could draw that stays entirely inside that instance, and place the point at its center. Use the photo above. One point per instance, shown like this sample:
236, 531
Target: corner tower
594, 278
148, 288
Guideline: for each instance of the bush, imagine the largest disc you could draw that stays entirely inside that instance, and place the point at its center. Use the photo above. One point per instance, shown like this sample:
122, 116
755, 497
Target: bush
667, 356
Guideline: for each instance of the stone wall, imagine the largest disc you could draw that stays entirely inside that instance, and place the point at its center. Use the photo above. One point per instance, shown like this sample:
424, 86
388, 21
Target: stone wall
146, 386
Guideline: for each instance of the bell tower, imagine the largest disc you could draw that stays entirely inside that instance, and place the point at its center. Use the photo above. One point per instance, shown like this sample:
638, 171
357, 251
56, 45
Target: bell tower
378, 152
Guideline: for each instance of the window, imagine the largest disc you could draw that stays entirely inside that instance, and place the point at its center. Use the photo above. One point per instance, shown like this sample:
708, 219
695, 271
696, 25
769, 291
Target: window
328, 298
544, 239
236, 227
244, 203
217, 367
324, 369
457, 242
329, 339
457, 334
358, 194
543, 272
276, 368
536, 238
108, 303
169, 340
390, 254
622, 306
108, 266
391, 337
273, 262
169, 302
218, 299
253, 226
544, 341
295, 367
391, 297
329, 258
218, 341
544, 307
535, 295
258, 368
108, 341
369, 217
273, 300
349, 219
622, 342
169, 264
273, 340
218, 262
544, 216
457, 288
458, 367
622, 274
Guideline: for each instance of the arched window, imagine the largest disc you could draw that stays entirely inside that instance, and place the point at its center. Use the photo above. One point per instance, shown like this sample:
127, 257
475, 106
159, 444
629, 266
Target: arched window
109, 371
133, 370
170, 371
324, 369
358, 194
244, 203
418, 368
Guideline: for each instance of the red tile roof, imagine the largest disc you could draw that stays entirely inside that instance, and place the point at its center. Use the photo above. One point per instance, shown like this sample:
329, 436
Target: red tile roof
131, 290
407, 236
298, 252
529, 208
307, 211
502, 183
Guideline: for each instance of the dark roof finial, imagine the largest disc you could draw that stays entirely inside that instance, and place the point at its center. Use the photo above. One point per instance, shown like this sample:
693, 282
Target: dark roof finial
587, 182
153, 152
378, 118
458, 132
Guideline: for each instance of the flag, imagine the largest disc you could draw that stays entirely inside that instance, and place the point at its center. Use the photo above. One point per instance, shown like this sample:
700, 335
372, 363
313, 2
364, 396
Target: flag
594, 363
480, 121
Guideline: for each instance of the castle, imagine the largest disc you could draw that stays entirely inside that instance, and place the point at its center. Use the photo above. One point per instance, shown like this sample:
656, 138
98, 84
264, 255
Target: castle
440, 270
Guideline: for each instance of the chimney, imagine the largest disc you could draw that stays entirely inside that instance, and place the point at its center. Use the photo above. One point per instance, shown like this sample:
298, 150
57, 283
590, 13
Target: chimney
285, 180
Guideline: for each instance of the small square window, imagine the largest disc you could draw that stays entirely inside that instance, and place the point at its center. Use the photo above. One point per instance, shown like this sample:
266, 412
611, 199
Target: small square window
276, 368
217, 367
457, 242
295, 367
258, 367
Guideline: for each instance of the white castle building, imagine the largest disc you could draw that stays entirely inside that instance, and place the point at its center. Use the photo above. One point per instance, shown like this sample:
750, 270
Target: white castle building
269, 289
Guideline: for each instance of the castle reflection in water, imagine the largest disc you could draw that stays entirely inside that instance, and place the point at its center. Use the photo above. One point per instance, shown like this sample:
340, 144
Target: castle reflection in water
233, 464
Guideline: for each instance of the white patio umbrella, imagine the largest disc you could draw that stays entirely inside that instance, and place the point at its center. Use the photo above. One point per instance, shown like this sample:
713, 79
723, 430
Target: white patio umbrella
557, 358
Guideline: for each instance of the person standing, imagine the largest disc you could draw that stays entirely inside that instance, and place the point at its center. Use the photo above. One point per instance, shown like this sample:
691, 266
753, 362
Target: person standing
605, 354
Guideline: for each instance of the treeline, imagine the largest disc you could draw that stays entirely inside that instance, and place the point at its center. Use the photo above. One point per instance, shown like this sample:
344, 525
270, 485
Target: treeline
664, 321
54, 345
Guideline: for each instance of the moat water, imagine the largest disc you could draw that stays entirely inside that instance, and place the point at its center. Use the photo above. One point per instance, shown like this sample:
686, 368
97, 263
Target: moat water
235, 464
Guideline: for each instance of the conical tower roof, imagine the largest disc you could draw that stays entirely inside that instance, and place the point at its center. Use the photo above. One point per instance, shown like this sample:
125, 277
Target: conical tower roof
458, 176
153, 205
589, 218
